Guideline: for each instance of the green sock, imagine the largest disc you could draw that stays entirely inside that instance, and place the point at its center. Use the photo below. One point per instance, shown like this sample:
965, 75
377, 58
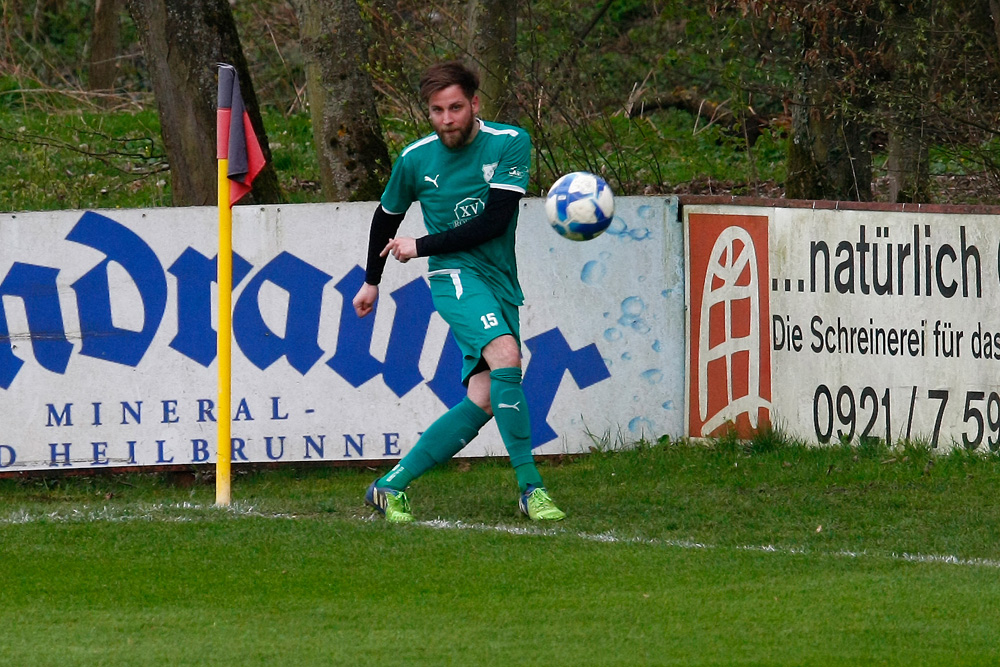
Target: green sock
442, 440
510, 408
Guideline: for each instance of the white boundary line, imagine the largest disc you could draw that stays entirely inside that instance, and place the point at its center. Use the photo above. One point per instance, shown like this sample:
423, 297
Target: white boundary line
610, 537
167, 512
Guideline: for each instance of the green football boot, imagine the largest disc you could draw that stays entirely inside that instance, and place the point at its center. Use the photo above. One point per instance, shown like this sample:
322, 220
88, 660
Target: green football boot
538, 506
392, 504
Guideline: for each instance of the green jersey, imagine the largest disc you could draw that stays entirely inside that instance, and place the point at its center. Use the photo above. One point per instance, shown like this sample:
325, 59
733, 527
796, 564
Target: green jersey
452, 185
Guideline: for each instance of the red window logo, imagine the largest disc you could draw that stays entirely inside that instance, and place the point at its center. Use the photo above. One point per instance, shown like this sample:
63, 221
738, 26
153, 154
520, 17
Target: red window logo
729, 353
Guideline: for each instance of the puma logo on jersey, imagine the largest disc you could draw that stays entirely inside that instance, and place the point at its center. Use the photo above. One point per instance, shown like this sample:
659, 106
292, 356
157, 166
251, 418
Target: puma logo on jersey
500, 406
433, 180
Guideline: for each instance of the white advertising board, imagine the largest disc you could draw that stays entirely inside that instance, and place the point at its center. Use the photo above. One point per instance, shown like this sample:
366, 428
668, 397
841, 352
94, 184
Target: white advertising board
107, 341
844, 324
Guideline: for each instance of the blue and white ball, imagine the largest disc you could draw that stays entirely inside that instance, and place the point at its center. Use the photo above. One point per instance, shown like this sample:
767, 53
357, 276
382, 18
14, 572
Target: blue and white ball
580, 206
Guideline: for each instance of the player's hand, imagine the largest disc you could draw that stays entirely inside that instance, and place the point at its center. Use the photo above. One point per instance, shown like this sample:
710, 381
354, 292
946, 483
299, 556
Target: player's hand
364, 300
403, 249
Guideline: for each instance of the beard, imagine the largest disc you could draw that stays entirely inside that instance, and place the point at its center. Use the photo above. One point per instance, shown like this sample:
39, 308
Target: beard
458, 136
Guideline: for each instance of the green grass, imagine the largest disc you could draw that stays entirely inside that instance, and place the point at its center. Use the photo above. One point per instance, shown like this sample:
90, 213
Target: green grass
85, 160
76, 160
763, 553
662, 150
52, 158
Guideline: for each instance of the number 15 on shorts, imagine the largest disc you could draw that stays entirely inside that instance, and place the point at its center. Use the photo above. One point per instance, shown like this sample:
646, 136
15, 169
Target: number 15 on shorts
489, 320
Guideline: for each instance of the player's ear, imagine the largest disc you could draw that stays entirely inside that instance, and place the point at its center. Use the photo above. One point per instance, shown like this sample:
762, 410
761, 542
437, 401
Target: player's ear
475, 105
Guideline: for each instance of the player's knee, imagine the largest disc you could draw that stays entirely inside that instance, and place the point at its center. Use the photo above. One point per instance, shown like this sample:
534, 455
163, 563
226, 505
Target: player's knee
502, 352
479, 392
485, 406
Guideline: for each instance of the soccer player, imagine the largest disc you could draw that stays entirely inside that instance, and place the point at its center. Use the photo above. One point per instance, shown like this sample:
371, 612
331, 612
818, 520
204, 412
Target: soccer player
468, 176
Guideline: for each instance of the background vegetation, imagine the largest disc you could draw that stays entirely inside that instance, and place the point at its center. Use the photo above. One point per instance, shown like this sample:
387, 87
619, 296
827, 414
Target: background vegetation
659, 96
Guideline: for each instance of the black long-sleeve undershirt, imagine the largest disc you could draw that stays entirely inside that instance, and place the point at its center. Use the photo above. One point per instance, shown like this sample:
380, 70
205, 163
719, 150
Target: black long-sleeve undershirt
384, 226
501, 205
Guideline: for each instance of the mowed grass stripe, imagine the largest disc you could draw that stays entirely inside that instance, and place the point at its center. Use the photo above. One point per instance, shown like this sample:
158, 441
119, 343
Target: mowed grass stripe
259, 591
731, 553
186, 512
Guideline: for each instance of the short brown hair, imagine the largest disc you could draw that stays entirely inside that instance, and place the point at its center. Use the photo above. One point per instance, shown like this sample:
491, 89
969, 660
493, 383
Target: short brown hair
447, 74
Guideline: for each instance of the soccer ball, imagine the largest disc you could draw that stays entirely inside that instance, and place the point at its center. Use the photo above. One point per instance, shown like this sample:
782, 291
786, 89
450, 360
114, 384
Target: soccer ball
580, 206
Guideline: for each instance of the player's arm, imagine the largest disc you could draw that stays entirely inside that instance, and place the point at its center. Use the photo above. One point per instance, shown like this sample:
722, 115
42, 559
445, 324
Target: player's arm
384, 227
396, 199
501, 205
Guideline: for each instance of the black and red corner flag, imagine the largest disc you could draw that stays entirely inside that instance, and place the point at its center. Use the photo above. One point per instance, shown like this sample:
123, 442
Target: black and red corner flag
235, 138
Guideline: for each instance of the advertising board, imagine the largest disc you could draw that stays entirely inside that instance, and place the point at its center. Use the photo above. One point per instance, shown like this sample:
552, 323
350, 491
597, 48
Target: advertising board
837, 325
107, 340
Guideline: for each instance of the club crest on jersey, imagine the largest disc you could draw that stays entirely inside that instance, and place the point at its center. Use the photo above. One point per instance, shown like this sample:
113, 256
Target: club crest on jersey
488, 171
468, 208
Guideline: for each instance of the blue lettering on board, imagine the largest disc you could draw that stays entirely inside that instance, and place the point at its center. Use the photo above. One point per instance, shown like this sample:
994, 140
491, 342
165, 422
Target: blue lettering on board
59, 418
199, 450
36, 285
353, 359
195, 273
304, 284
8, 456
269, 447
449, 369
100, 337
551, 357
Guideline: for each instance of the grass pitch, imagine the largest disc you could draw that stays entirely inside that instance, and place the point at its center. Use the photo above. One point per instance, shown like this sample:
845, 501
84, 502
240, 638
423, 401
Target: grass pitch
675, 554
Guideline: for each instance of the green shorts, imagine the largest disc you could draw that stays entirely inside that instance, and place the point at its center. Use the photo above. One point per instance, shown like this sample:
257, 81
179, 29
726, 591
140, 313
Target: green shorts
474, 314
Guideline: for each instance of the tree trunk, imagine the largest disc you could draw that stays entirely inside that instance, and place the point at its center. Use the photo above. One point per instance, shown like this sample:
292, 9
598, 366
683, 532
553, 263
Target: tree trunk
907, 167
492, 42
829, 156
907, 163
353, 159
182, 40
104, 38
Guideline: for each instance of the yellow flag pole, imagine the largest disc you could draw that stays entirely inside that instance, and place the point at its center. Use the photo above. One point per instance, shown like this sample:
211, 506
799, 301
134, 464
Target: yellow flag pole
224, 450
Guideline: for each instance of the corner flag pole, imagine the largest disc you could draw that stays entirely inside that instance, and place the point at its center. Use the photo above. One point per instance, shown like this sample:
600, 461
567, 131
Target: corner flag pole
224, 342
240, 160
